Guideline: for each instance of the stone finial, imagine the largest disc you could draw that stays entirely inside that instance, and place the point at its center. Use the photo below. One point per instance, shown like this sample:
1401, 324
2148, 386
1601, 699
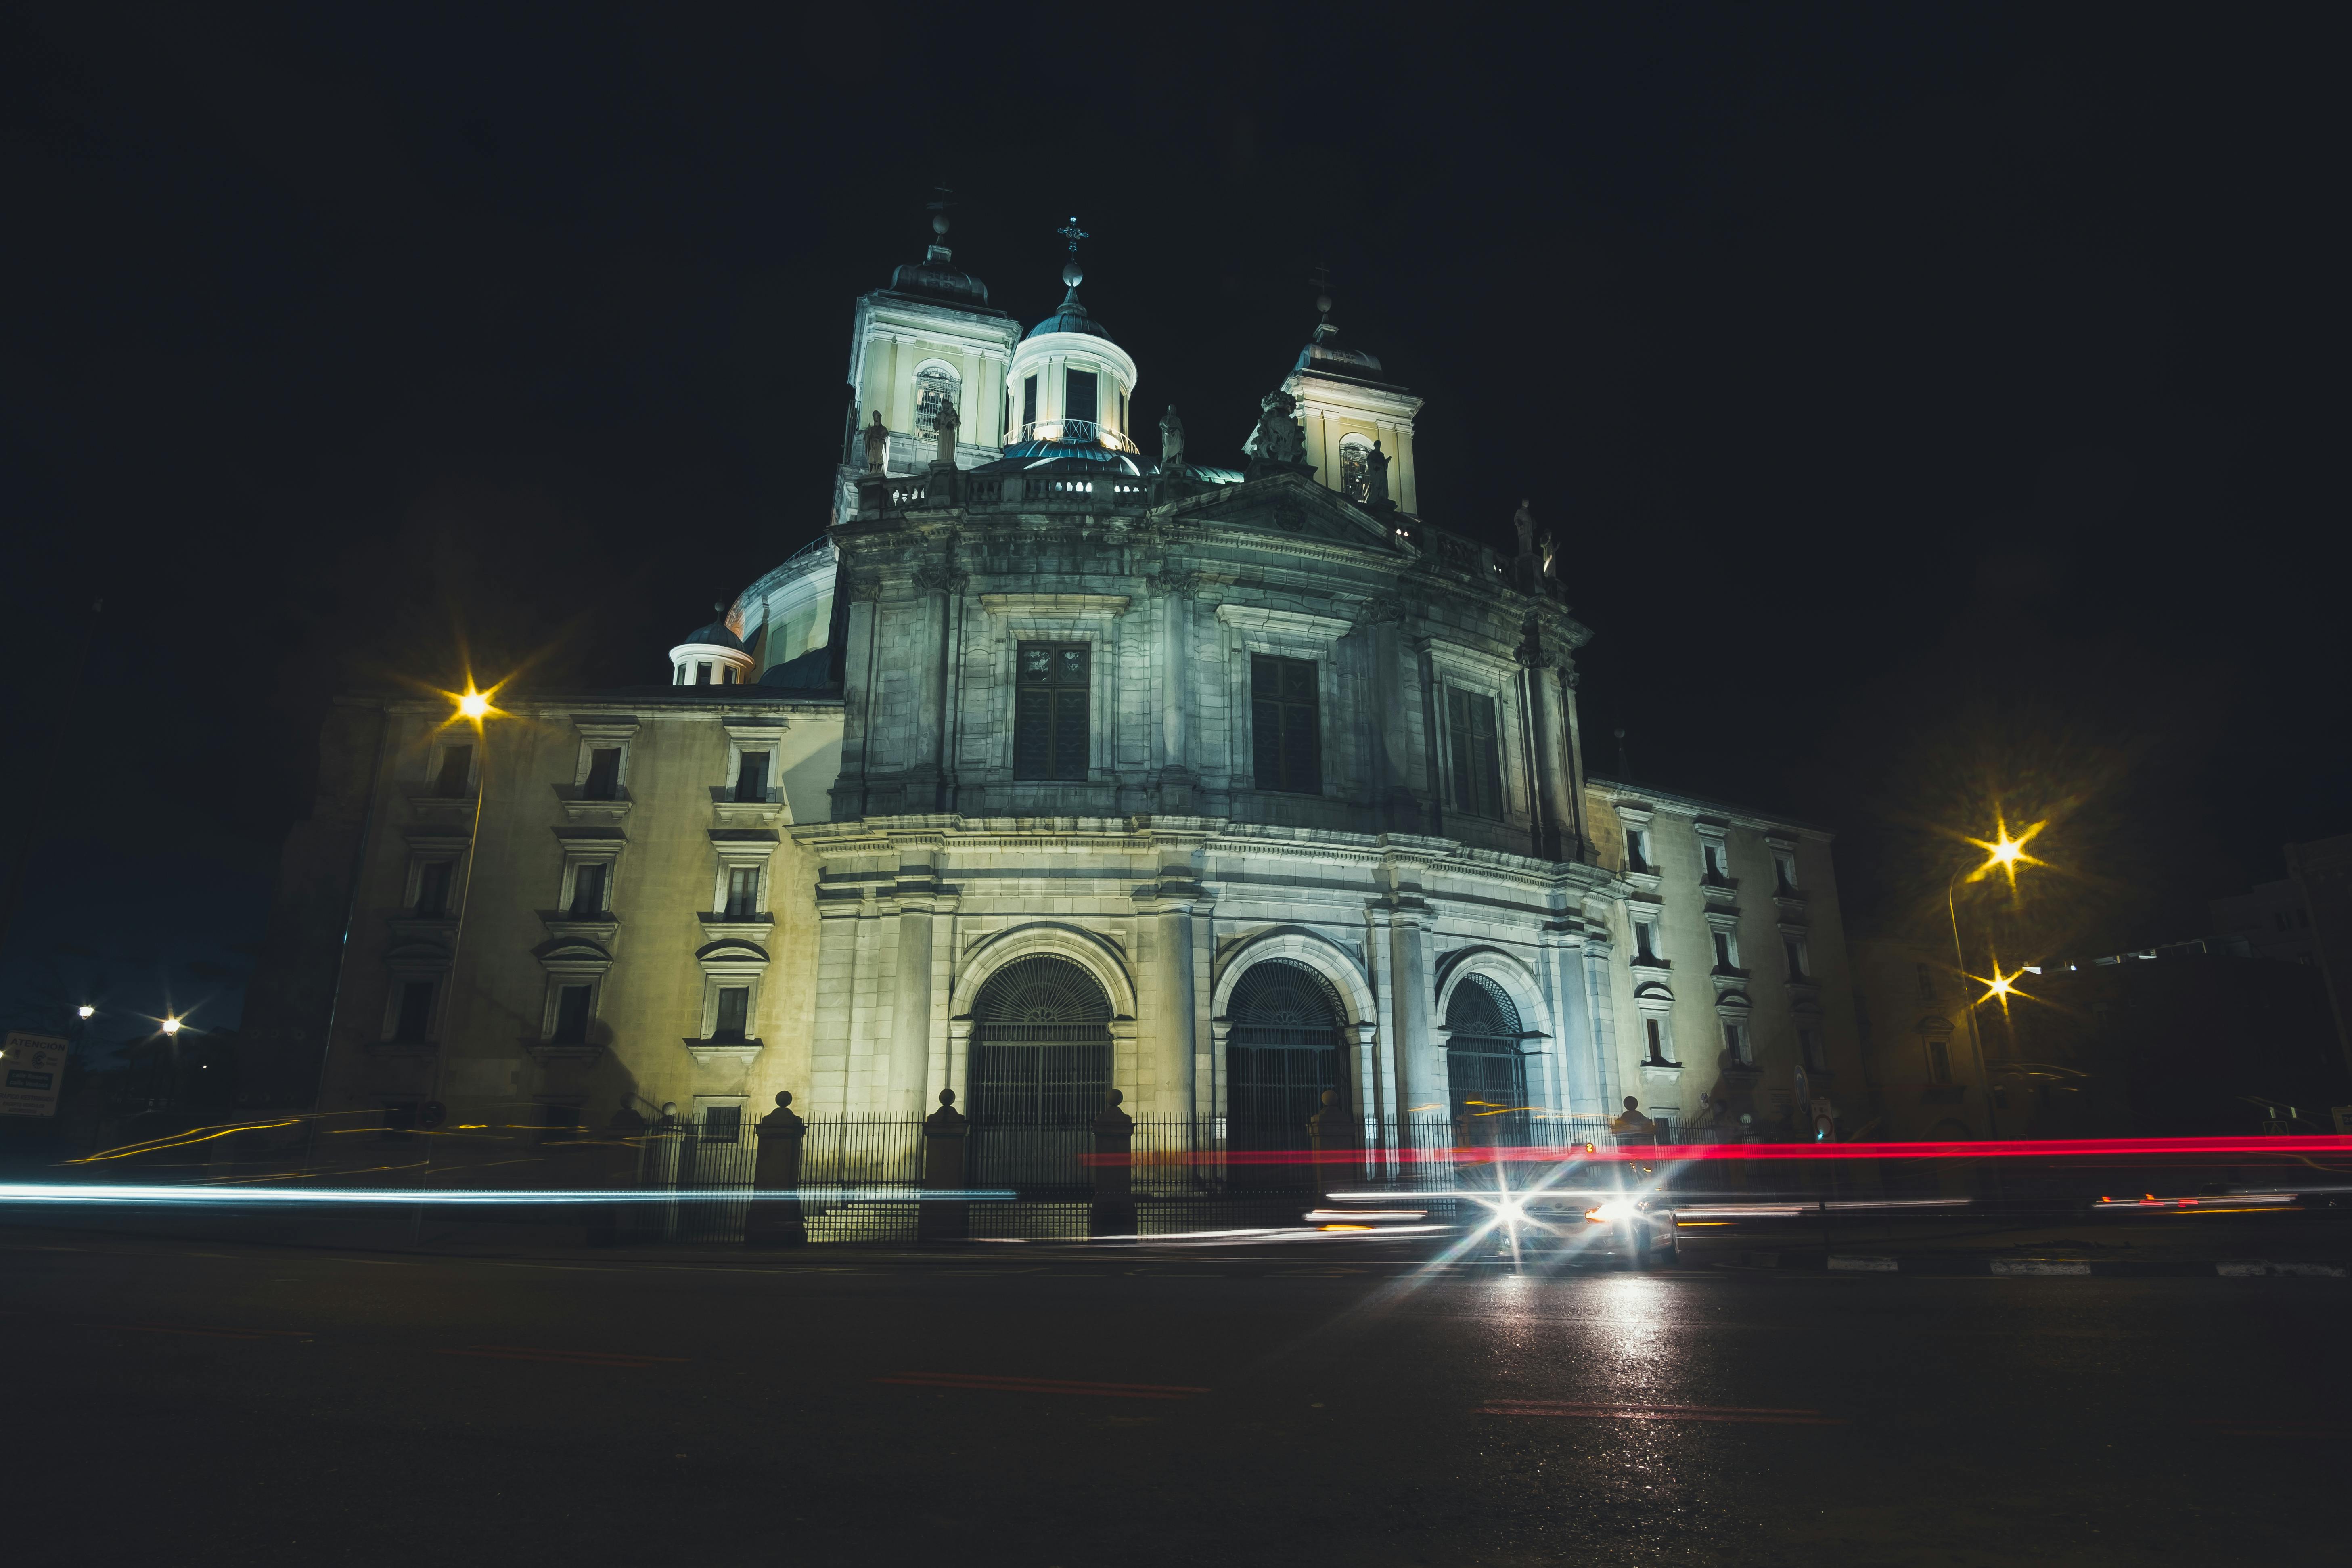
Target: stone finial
783, 1100
1330, 1097
946, 1122
1632, 1103
1113, 1097
947, 1097
669, 1108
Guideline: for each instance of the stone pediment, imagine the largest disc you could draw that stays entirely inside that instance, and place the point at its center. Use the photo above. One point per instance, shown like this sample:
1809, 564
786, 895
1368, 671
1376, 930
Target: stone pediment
1288, 504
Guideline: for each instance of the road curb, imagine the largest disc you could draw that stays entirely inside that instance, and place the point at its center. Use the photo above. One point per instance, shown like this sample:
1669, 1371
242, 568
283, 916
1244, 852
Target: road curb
2046, 1267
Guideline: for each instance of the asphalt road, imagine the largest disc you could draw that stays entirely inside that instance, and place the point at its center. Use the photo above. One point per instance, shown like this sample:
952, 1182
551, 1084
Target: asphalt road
225, 1403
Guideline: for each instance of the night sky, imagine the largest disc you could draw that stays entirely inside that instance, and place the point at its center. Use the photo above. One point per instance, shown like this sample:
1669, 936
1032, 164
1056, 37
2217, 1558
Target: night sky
1941, 405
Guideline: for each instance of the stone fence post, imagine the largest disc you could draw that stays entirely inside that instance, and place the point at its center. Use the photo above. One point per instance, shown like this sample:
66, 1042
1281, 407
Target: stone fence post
777, 1221
1114, 1205
1335, 1135
944, 1132
620, 1154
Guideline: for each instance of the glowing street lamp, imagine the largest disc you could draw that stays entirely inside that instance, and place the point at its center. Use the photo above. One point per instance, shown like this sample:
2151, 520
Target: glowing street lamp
86, 1011
171, 1025
2004, 852
473, 705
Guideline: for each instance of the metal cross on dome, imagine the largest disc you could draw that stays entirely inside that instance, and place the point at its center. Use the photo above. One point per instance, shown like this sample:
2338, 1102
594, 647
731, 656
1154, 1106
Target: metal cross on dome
1071, 231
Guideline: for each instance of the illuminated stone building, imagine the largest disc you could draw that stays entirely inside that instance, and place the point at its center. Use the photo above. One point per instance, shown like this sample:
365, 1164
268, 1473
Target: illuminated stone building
1053, 767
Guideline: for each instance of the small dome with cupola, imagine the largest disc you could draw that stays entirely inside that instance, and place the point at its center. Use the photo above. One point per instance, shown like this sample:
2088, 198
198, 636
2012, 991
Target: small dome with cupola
711, 655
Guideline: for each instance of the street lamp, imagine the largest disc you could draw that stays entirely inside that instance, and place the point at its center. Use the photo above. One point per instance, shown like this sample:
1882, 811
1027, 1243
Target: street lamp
171, 1025
2003, 854
85, 1012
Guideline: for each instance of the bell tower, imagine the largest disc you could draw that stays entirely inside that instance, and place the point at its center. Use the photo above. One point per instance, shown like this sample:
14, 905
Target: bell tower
931, 338
1353, 414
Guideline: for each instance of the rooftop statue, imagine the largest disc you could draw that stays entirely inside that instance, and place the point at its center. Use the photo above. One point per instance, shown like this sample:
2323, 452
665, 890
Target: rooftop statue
1524, 520
1376, 477
1550, 558
878, 444
1278, 438
1172, 442
947, 423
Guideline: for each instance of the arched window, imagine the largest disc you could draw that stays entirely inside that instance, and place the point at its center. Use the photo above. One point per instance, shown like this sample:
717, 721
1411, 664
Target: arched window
1485, 1070
935, 384
1355, 467
1282, 1054
1040, 1045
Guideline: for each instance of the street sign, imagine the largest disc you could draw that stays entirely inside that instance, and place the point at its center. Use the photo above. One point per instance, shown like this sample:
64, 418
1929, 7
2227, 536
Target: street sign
32, 1070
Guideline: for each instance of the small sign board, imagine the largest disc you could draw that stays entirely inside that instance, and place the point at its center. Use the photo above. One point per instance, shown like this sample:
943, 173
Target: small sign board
2343, 1114
32, 1070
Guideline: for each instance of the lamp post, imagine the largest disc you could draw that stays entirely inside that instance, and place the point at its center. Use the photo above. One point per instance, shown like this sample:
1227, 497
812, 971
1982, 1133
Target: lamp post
474, 706
2003, 854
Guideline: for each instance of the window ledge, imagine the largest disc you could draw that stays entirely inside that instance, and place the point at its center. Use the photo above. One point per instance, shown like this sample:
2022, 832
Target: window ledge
547, 1053
717, 924
404, 1048
598, 928
705, 1052
1644, 961
732, 813
1662, 1069
441, 810
1648, 881
576, 809
406, 928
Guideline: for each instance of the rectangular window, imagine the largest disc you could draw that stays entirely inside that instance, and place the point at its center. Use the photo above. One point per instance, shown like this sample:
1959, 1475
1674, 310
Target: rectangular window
1476, 752
588, 891
734, 1013
572, 1015
1645, 940
742, 893
1735, 1041
1726, 956
433, 888
603, 775
415, 1013
1079, 394
1049, 710
1795, 949
557, 1122
1784, 874
723, 1124
1655, 1029
1029, 400
1940, 1062
1637, 849
1809, 1042
702, 672
1927, 982
1122, 408
457, 766
1286, 720
1711, 856
751, 777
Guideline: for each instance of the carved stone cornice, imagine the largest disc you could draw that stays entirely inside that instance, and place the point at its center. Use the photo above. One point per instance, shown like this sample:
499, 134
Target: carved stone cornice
940, 580
1173, 582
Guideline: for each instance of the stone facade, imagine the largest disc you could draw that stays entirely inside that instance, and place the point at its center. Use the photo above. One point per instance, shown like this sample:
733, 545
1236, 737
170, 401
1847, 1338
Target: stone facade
1157, 728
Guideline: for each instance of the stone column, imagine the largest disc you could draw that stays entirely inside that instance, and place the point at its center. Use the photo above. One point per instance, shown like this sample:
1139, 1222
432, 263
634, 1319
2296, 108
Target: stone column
910, 1011
1114, 1203
776, 1221
1602, 1011
1420, 1057
1554, 782
944, 1133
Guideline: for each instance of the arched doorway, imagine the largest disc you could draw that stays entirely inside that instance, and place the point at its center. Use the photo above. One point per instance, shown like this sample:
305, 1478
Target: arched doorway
1485, 1070
1040, 1045
1282, 1053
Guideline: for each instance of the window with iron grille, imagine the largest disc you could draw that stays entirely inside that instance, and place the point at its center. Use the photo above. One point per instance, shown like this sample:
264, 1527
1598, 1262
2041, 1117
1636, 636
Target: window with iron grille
723, 1124
1049, 710
1476, 752
1285, 724
1283, 1052
1485, 1067
1040, 1045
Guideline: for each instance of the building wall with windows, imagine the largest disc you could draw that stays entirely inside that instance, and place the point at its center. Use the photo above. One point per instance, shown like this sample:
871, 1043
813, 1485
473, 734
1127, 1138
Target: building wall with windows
542, 924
